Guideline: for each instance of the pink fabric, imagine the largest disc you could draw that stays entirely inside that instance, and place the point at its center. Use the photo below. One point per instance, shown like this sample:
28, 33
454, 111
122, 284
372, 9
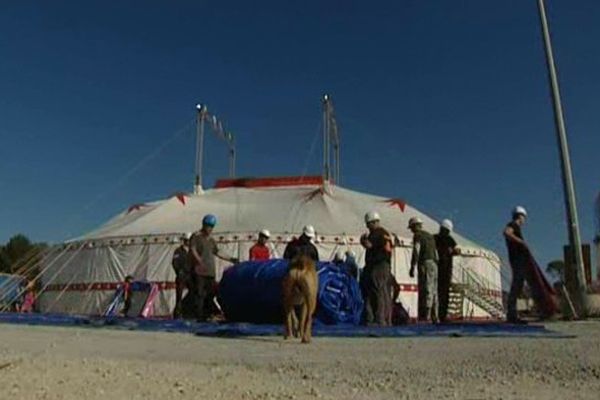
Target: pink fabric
28, 302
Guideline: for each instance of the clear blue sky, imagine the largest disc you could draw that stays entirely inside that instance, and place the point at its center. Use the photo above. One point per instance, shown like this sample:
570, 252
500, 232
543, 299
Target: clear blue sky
445, 104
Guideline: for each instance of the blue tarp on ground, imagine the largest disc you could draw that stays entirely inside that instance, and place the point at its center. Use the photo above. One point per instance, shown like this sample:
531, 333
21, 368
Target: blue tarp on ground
10, 288
251, 292
245, 329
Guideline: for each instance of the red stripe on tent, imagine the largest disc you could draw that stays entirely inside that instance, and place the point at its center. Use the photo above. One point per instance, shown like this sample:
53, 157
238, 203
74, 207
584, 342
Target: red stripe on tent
166, 285
99, 286
269, 182
408, 287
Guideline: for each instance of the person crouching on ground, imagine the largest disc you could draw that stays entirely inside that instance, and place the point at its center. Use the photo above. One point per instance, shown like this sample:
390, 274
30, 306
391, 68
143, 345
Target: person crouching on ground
424, 256
260, 250
377, 272
203, 251
446, 249
181, 266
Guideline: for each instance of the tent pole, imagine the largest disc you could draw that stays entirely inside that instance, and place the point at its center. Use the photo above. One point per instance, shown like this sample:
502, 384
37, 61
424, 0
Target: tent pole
199, 147
232, 157
336, 148
326, 138
567, 174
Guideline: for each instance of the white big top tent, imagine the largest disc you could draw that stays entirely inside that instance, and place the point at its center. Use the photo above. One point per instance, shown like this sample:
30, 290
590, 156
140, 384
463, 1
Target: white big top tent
80, 276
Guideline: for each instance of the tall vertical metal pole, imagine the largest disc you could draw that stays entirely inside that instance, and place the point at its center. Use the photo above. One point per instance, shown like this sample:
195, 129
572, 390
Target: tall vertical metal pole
199, 147
326, 137
567, 175
336, 149
231, 156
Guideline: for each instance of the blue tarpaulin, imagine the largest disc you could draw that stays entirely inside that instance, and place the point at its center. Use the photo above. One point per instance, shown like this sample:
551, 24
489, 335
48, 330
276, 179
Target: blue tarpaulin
11, 288
251, 292
470, 329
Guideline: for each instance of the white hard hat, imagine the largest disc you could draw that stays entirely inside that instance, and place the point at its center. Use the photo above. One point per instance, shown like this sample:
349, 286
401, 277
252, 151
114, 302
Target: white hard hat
187, 235
520, 210
446, 223
371, 216
309, 231
414, 221
265, 233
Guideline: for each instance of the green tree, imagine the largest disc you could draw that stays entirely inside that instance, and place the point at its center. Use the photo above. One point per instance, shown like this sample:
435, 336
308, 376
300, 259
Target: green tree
557, 269
17, 251
4, 260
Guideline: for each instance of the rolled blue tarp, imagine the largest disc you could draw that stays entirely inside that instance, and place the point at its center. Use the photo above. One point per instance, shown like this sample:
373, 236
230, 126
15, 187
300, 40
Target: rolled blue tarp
251, 292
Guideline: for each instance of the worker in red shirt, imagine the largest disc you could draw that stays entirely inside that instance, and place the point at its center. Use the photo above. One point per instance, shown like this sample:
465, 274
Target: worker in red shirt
260, 251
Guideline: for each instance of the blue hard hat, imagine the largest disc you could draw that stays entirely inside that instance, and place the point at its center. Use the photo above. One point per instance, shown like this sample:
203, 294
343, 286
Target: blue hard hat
209, 220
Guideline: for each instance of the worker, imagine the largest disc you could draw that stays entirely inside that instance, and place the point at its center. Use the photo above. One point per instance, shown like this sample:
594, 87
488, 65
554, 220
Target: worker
338, 258
446, 250
181, 266
518, 256
351, 265
377, 272
424, 257
127, 293
346, 262
203, 250
260, 251
302, 245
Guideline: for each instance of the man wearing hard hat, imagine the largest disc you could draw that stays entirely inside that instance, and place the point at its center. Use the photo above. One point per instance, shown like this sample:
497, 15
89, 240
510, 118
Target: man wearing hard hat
425, 258
260, 251
203, 251
376, 278
446, 249
518, 256
181, 266
302, 245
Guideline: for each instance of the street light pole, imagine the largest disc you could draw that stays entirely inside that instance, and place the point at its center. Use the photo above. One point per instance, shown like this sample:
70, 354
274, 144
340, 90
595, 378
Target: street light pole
567, 174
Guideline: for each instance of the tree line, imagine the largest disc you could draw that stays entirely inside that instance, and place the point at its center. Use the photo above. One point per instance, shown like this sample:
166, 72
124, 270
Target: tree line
20, 255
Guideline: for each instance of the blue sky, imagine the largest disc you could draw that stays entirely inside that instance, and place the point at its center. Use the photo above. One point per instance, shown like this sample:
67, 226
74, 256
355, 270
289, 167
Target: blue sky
444, 104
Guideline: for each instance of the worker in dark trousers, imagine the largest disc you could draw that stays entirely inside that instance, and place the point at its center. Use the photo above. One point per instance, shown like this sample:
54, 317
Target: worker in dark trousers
424, 257
183, 276
518, 256
376, 279
446, 249
302, 246
203, 251
127, 293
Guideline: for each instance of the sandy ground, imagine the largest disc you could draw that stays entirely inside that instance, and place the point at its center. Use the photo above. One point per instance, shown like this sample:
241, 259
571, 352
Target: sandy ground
73, 363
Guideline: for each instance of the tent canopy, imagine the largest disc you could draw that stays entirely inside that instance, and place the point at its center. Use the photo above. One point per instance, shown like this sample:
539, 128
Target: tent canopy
282, 205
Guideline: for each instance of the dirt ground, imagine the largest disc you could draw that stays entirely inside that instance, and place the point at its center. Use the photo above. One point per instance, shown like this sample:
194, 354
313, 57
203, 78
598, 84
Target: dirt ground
73, 363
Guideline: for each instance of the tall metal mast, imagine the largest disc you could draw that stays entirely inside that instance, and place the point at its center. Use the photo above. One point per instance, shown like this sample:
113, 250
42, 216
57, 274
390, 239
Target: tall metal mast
217, 127
202, 113
567, 174
326, 153
331, 142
